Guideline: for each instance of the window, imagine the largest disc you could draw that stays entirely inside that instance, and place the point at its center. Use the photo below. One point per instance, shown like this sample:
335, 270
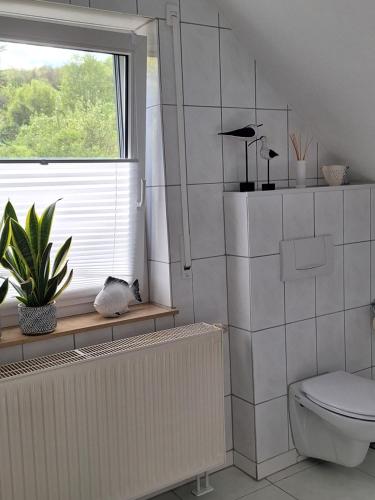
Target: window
72, 120
58, 103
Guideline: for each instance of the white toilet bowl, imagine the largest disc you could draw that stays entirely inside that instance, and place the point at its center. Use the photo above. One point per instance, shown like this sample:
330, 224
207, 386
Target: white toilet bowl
333, 417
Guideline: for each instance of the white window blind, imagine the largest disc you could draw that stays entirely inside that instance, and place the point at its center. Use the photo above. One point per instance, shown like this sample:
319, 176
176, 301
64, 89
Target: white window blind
98, 208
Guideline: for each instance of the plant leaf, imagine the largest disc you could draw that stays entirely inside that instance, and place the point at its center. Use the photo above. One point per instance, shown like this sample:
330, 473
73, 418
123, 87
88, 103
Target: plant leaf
45, 224
22, 299
27, 287
44, 272
32, 229
65, 285
9, 262
61, 255
9, 212
4, 238
4, 290
23, 245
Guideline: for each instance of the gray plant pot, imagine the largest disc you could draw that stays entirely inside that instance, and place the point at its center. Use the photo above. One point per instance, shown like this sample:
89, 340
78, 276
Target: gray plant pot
37, 320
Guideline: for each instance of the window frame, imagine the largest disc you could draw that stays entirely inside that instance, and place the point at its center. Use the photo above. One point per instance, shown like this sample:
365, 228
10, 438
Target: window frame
58, 32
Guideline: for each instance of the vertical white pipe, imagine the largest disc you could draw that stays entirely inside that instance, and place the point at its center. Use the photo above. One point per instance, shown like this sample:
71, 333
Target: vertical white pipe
173, 20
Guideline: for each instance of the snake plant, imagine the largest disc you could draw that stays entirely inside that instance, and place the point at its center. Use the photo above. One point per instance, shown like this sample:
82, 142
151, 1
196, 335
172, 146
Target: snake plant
27, 255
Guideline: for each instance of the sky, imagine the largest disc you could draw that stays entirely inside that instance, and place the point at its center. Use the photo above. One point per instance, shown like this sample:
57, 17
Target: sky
23, 56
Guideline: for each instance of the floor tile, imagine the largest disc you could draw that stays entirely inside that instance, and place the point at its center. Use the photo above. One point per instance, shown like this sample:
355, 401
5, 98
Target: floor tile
290, 471
269, 493
369, 464
330, 482
169, 495
229, 484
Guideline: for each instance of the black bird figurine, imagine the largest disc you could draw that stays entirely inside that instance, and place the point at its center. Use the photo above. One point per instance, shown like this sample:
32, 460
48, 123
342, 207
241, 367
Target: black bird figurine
245, 134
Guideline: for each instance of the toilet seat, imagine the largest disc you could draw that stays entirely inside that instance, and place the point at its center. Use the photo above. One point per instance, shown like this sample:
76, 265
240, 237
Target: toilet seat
342, 393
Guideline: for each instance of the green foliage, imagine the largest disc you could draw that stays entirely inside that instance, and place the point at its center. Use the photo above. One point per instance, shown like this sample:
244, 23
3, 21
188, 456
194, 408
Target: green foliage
26, 254
66, 112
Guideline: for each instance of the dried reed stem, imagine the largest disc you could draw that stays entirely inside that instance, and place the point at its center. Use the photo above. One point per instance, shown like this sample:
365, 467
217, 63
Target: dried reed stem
301, 149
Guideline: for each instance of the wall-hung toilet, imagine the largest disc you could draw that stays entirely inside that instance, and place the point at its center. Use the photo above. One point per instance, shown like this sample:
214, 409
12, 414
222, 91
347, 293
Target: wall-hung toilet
332, 417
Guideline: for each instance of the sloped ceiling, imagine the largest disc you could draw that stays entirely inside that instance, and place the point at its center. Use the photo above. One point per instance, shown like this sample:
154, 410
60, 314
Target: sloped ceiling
321, 55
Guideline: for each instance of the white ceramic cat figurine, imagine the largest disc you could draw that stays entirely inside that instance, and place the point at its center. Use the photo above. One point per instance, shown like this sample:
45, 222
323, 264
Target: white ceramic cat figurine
114, 299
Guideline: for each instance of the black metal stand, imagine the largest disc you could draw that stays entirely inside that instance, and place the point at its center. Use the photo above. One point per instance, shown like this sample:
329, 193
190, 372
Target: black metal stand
247, 186
269, 186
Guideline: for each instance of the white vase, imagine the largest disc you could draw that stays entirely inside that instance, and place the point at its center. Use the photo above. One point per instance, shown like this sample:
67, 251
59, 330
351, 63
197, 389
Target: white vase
301, 174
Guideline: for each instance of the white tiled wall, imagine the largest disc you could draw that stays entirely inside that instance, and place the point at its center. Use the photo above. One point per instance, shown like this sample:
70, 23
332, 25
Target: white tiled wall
223, 89
298, 329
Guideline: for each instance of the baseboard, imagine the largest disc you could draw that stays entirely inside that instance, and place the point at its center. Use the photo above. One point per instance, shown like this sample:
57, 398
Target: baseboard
261, 470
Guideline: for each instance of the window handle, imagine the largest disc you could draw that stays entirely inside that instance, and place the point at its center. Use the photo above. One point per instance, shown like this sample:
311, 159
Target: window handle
141, 202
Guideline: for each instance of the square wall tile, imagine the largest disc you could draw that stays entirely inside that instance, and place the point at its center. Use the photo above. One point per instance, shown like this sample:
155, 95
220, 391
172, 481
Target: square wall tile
50, 346
301, 350
276, 128
326, 157
139, 328
11, 354
237, 72
269, 364
238, 275
271, 425
298, 215
201, 65
174, 217
199, 11
331, 342
167, 66
358, 336
357, 278
127, 6
241, 364
299, 299
267, 96
171, 150
265, 225
164, 323
157, 229
153, 8
228, 423
155, 175
243, 428
160, 283
210, 290
95, 337
329, 214
236, 225
206, 215
234, 151
330, 288
267, 293
203, 145
357, 208
273, 465
182, 295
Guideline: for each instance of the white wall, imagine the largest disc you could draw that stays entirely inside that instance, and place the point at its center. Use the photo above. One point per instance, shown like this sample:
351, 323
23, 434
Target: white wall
320, 53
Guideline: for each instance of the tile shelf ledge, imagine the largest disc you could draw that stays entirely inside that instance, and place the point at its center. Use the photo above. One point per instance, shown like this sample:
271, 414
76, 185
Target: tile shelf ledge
310, 189
12, 336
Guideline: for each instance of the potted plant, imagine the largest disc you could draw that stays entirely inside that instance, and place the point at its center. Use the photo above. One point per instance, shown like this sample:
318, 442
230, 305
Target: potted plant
36, 279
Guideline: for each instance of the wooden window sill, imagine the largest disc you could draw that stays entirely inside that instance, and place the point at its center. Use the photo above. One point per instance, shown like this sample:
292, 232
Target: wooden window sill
87, 322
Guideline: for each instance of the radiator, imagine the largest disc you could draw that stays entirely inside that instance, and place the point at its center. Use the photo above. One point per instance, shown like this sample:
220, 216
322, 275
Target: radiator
115, 421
